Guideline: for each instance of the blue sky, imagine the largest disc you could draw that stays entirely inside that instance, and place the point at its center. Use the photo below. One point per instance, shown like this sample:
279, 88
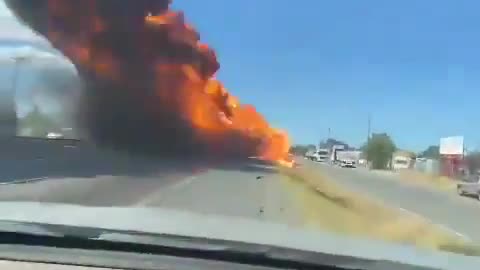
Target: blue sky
311, 65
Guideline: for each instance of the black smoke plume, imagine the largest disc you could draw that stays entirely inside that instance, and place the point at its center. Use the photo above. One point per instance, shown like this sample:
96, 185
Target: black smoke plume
125, 110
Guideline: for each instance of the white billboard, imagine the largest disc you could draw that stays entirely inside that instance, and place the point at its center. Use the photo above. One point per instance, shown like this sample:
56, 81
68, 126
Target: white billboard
451, 145
349, 155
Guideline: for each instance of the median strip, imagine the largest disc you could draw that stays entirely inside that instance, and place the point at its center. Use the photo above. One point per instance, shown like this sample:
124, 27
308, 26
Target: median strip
442, 183
328, 207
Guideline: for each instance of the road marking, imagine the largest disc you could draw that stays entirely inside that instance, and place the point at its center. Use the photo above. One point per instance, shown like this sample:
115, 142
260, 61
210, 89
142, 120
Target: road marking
154, 196
24, 181
183, 183
70, 146
443, 226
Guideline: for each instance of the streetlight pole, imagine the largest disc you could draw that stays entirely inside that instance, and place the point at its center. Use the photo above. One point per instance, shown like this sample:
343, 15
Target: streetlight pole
17, 62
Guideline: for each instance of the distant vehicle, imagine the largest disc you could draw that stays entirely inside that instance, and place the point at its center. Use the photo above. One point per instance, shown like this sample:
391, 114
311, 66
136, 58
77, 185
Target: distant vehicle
350, 156
347, 163
334, 153
470, 186
310, 155
401, 163
54, 135
321, 155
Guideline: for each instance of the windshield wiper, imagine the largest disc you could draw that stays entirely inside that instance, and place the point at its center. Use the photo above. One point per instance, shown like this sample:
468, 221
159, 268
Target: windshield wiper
69, 237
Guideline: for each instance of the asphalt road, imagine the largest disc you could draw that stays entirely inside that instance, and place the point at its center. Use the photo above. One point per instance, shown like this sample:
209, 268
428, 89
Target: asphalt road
74, 173
457, 214
84, 175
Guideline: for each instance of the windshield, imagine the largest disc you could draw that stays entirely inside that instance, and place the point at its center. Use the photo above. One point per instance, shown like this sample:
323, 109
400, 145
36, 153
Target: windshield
209, 107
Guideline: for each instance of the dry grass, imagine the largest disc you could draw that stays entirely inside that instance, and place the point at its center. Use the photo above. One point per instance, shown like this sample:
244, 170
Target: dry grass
433, 181
328, 207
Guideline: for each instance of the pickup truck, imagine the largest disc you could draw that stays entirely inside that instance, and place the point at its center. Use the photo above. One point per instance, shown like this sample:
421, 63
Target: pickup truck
470, 186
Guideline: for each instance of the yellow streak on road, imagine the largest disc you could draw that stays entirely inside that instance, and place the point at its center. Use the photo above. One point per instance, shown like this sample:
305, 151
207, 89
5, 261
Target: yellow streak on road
328, 207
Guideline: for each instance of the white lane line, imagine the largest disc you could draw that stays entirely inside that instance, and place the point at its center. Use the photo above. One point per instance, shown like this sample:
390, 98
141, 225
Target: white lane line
70, 146
183, 183
23, 181
443, 226
154, 196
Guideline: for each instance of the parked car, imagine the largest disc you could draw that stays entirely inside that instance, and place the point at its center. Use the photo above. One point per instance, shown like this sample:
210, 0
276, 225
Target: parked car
347, 163
470, 186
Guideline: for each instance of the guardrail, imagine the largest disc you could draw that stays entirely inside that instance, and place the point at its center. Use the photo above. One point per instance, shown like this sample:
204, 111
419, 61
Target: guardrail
24, 159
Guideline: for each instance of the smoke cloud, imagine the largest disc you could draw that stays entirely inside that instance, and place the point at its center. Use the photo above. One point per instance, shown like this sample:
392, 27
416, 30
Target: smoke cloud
149, 82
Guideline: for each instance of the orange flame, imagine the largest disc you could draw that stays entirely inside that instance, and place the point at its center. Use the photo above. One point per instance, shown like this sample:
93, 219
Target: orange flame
194, 92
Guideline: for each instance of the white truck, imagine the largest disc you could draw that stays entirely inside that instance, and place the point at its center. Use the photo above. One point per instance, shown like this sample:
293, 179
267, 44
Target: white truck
336, 149
348, 159
310, 154
321, 155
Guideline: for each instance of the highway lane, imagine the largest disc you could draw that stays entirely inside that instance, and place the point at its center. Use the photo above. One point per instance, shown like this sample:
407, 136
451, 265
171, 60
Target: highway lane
245, 188
84, 175
448, 210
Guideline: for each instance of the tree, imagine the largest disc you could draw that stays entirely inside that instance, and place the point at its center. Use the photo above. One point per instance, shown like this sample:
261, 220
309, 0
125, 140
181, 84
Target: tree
311, 147
301, 150
379, 150
433, 152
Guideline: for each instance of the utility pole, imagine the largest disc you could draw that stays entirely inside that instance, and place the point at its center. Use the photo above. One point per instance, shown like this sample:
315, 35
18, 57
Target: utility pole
17, 62
369, 126
8, 106
329, 131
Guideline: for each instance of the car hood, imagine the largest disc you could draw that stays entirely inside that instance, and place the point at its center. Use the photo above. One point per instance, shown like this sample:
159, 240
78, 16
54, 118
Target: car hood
183, 223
